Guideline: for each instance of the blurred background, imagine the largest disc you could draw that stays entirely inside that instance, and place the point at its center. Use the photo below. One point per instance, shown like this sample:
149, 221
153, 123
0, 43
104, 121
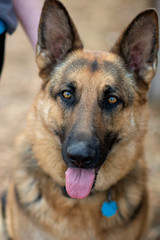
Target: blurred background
99, 23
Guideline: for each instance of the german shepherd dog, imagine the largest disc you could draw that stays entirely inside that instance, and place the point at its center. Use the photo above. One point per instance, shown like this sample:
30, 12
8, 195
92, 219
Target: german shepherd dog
81, 172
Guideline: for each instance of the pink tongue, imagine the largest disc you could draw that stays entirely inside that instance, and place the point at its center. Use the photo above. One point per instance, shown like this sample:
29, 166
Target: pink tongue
79, 182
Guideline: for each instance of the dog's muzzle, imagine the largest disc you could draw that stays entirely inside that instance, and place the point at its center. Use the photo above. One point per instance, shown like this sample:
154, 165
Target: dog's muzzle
81, 152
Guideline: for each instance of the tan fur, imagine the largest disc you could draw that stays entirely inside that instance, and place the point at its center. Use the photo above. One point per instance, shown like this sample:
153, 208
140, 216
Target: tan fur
36, 206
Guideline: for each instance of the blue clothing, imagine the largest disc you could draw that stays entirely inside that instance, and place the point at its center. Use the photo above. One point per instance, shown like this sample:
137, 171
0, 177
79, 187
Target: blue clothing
2, 26
8, 16
8, 23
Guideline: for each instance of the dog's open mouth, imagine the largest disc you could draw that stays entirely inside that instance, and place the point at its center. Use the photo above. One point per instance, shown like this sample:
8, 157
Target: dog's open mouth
79, 182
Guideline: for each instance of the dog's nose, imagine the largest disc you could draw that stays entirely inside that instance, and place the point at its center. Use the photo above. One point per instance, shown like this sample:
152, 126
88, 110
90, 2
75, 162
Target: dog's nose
80, 154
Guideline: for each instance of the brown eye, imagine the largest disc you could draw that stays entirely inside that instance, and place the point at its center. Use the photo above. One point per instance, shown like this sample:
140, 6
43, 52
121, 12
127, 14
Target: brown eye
66, 95
112, 100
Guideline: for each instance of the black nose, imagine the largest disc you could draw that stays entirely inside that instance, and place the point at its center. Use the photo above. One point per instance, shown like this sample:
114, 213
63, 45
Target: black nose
80, 154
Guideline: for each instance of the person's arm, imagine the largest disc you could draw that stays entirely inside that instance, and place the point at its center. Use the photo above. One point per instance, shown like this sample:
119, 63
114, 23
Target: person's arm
28, 12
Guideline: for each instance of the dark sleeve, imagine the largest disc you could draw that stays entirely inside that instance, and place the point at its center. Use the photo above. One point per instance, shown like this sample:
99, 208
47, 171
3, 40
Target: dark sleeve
7, 14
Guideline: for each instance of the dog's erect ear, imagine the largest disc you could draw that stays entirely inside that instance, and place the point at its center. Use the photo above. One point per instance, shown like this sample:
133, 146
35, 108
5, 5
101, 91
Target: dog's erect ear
138, 46
57, 37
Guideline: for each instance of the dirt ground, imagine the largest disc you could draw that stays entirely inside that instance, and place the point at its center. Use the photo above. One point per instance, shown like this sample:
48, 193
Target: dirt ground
99, 24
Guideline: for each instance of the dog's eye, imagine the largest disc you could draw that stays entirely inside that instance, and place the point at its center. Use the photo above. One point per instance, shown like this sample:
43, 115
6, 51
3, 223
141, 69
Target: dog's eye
68, 98
66, 94
112, 100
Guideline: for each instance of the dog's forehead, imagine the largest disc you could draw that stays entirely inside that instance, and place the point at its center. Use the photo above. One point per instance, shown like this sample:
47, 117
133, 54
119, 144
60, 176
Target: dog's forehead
94, 61
100, 68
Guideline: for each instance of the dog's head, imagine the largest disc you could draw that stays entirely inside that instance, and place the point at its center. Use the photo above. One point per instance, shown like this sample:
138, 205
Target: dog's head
89, 117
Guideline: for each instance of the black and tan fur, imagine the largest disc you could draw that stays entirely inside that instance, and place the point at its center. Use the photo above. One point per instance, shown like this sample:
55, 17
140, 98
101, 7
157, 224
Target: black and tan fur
38, 207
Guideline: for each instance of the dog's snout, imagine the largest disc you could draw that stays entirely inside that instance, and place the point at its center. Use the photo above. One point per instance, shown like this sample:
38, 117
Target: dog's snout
80, 154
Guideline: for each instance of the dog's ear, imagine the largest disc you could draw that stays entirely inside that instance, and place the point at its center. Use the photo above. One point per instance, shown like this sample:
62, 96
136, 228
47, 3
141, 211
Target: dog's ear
138, 46
57, 36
